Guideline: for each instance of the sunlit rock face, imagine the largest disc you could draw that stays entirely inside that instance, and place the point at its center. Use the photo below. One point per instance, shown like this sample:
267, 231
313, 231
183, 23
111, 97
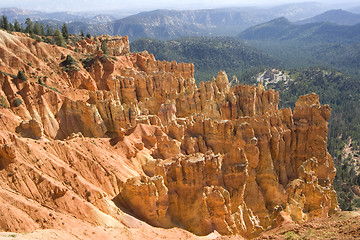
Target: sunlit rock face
126, 133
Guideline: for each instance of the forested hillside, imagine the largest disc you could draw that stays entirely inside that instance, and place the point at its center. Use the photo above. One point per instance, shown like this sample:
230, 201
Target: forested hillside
210, 55
294, 54
337, 16
281, 29
305, 45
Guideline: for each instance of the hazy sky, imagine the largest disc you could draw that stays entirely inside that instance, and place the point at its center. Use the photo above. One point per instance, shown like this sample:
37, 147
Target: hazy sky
94, 5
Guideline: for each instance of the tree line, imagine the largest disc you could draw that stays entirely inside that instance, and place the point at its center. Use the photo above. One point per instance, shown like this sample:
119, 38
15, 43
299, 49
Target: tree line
36, 29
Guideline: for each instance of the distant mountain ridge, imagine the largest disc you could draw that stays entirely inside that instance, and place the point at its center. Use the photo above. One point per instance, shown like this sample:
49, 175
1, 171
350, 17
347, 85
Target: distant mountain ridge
21, 15
282, 29
337, 16
355, 10
170, 24
173, 24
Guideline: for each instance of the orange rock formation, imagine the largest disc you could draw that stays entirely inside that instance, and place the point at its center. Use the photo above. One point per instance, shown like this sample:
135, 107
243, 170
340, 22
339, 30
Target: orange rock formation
126, 134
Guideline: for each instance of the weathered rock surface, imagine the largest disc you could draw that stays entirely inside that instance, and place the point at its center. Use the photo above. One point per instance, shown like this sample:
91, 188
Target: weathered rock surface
31, 129
128, 134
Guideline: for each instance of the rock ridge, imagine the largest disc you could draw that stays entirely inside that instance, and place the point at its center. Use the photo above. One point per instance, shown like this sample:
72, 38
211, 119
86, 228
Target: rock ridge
126, 134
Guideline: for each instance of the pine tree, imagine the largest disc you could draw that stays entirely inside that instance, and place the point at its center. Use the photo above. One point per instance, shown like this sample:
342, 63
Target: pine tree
104, 47
42, 29
49, 30
4, 23
88, 35
17, 26
11, 27
29, 26
82, 33
59, 39
37, 29
64, 31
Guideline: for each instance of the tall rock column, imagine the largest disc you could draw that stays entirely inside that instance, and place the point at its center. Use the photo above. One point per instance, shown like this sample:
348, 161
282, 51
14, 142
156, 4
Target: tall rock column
310, 136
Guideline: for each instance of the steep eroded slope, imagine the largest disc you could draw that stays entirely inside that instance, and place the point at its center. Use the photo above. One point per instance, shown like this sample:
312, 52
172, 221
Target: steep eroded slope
86, 140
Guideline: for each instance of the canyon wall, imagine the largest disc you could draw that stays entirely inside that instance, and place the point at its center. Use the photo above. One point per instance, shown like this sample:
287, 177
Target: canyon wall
121, 135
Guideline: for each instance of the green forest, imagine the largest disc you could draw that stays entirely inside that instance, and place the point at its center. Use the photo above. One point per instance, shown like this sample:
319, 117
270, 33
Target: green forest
210, 55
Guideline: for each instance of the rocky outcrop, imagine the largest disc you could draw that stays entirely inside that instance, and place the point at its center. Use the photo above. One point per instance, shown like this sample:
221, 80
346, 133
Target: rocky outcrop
127, 133
311, 123
306, 197
259, 178
31, 129
7, 154
152, 191
117, 45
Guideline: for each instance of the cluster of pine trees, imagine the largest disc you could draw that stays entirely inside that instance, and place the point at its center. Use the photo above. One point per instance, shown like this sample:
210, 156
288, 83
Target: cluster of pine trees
38, 31
47, 34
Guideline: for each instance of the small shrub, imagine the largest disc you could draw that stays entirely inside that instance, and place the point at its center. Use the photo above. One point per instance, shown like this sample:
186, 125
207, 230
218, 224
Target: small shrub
21, 75
70, 64
87, 63
69, 60
40, 81
17, 102
3, 102
106, 57
291, 235
48, 40
36, 37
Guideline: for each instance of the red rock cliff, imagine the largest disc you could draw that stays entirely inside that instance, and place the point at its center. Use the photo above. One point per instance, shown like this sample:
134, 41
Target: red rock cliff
128, 133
